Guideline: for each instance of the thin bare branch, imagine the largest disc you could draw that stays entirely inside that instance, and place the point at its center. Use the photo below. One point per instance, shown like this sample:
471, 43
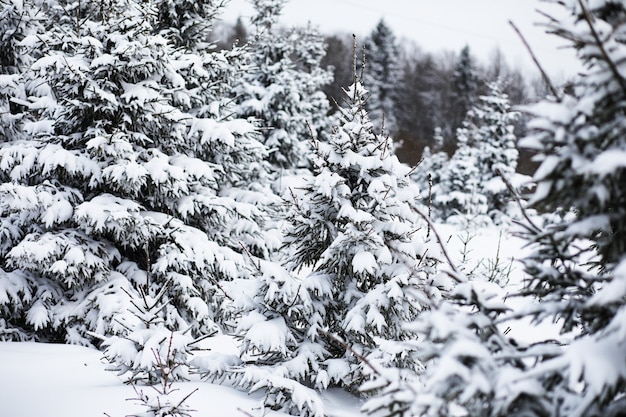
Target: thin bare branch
439, 240
544, 75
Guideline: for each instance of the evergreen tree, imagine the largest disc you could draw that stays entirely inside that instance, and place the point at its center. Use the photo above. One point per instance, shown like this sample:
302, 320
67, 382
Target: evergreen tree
577, 269
471, 182
457, 190
351, 280
491, 127
469, 363
382, 76
418, 105
125, 183
282, 90
464, 89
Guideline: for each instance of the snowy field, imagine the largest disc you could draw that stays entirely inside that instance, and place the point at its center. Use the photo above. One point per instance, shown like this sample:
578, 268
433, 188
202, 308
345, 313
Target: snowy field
44, 380
40, 380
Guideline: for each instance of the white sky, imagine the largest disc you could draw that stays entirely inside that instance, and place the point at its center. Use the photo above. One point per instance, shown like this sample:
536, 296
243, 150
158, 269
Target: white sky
437, 25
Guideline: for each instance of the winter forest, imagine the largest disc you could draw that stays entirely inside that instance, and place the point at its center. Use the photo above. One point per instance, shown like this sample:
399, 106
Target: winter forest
313, 219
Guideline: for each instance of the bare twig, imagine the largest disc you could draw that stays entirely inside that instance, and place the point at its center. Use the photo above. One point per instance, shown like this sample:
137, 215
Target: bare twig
439, 240
257, 265
544, 75
344, 345
245, 413
518, 200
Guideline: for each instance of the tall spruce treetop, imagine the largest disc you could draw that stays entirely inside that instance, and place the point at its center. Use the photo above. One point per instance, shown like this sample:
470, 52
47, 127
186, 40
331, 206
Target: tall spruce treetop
282, 89
382, 76
581, 141
352, 279
124, 184
464, 88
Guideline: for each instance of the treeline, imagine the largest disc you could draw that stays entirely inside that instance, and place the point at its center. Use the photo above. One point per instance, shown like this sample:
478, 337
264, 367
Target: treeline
422, 96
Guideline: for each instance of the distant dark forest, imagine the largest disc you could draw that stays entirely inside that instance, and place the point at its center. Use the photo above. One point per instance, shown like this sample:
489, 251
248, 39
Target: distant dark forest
422, 97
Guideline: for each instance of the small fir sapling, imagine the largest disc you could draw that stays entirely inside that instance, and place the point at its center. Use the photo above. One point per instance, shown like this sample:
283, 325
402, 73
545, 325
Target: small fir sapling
149, 353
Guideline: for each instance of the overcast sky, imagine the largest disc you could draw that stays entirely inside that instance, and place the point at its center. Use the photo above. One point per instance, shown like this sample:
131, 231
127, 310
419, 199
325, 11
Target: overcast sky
437, 25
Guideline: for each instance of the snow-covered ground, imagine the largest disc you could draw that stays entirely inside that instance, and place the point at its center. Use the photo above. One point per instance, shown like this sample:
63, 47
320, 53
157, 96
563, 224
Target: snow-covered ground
49, 380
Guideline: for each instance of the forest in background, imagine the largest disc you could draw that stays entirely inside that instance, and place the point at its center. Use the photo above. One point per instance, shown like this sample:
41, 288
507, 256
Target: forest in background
426, 95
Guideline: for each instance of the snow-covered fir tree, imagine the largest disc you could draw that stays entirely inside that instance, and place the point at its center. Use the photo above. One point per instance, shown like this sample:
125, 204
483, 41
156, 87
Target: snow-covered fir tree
124, 183
578, 269
382, 76
355, 263
457, 190
282, 90
469, 362
471, 182
492, 125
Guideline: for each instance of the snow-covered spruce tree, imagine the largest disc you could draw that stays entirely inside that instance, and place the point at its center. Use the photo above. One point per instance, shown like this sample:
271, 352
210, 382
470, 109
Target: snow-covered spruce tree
457, 190
578, 269
492, 127
123, 184
382, 77
471, 182
470, 365
355, 266
282, 90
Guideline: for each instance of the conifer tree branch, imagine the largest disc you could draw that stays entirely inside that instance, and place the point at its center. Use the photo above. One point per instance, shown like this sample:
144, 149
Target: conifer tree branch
600, 44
